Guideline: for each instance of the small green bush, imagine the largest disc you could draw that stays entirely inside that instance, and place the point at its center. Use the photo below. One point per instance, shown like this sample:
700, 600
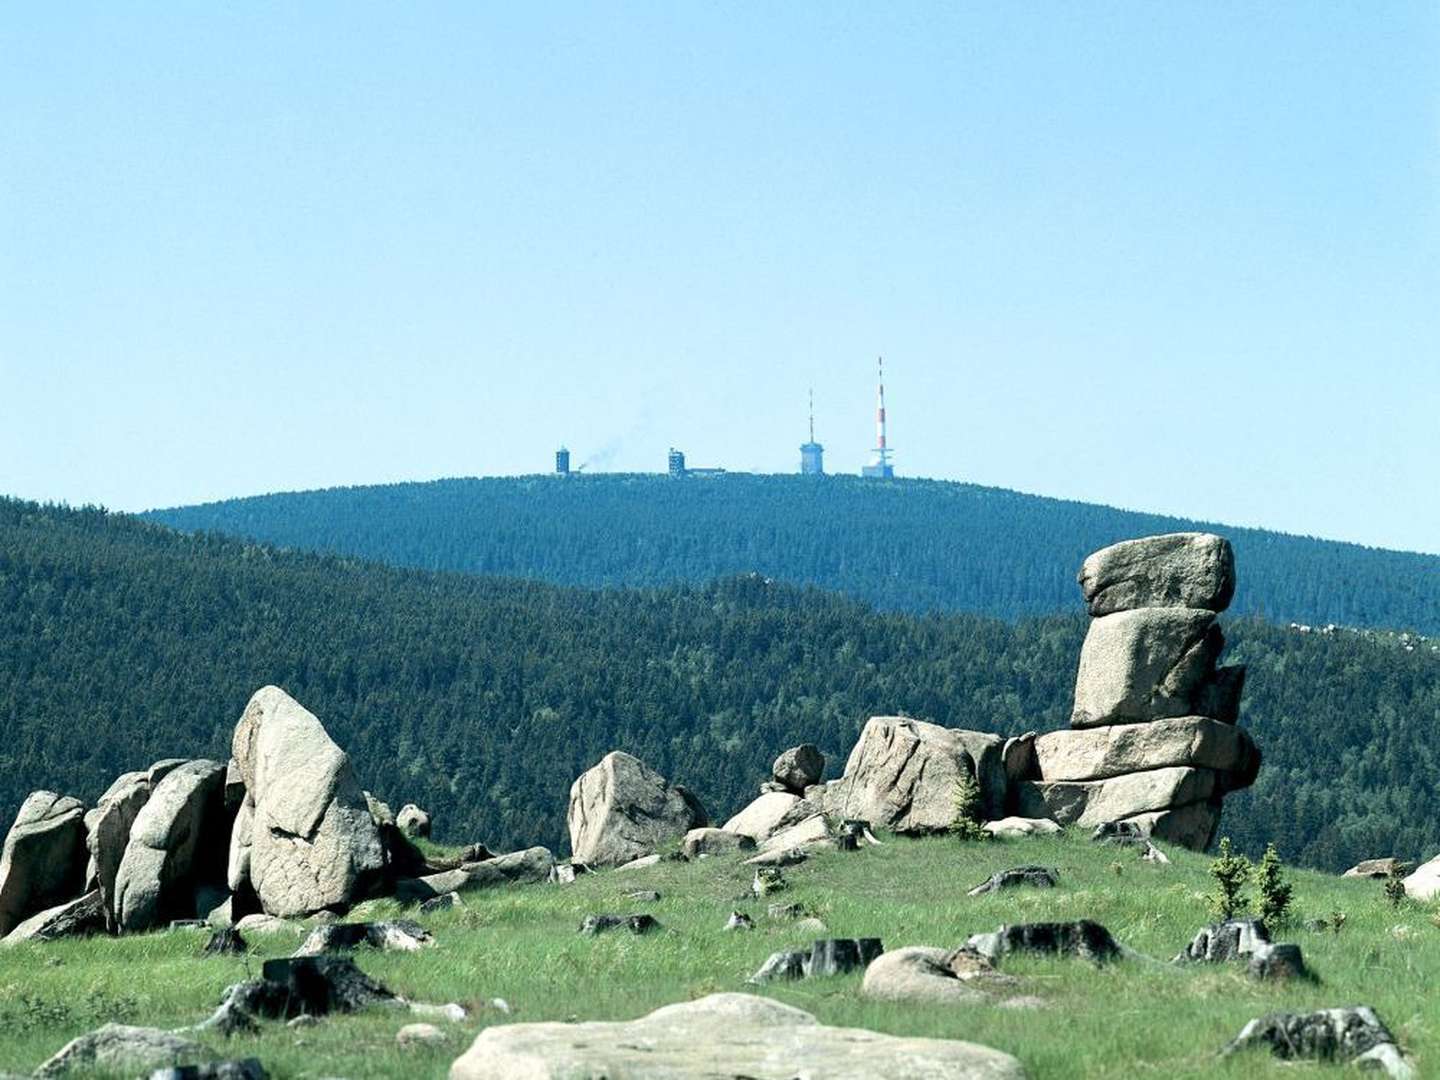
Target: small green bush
1231, 873
967, 800
1275, 891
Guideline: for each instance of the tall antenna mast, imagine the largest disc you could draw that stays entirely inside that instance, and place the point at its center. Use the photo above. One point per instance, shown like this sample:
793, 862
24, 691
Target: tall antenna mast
812, 414
880, 467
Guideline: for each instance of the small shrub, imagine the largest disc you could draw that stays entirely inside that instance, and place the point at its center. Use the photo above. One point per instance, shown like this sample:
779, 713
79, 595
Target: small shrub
1231, 872
1117, 868
967, 801
1337, 921
1275, 891
1395, 890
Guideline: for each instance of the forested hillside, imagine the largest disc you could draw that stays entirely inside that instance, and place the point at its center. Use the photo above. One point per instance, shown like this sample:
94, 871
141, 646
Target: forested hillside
906, 545
481, 699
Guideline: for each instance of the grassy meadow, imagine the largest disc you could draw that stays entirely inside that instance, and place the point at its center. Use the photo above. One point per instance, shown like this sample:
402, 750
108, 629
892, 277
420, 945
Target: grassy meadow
1131, 1018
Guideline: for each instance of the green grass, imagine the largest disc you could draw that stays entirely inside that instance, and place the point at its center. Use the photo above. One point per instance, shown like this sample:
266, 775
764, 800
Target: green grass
1131, 1018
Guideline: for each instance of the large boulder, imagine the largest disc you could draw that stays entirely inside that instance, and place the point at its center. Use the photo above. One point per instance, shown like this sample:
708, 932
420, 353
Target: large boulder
1088, 803
312, 842
43, 861
176, 842
1147, 664
769, 814
1177, 570
739, 1034
75, 918
901, 775
124, 1050
107, 833
799, 767
622, 809
1424, 882
1116, 749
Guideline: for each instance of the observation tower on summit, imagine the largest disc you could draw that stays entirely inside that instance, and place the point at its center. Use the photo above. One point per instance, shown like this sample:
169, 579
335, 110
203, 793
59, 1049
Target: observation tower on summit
880, 467
812, 454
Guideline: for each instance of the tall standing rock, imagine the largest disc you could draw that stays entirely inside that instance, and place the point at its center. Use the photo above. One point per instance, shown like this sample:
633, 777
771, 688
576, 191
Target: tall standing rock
312, 841
622, 810
176, 843
43, 861
1153, 739
107, 834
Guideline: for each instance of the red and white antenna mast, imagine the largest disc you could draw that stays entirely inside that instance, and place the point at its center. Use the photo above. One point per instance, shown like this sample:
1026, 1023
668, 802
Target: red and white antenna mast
880, 466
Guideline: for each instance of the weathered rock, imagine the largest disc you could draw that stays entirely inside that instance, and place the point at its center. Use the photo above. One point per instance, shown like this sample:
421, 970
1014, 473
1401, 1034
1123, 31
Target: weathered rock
226, 942
1117, 749
43, 861
1018, 757
175, 842
769, 786
446, 902
644, 896
121, 1048
1148, 664
1012, 828
248, 1069
769, 814
164, 768
1234, 939
1088, 803
419, 1035
1279, 962
266, 924
919, 974
1177, 570
107, 833
901, 775
380, 811
1191, 826
1424, 882
700, 842
840, 956
745, 1035
313, 843
1085, 939
594, 925
802, 834
1120, 834
320, 985
1034, 877
799, 767
1340, 1035
401, 936
782, 857
1379, 869
78, 918
642, 863
234, 786
412, 821
782, 966
793, 910
531, 866
739, 921
237, 871
621, 809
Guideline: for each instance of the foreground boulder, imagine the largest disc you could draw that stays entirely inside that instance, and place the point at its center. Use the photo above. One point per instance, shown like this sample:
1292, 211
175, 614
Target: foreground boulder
1147, 664
43, 861
77, 918
772, 812
741, 1034
176, 842
308, 839
622, 810
901, 775
126, 1050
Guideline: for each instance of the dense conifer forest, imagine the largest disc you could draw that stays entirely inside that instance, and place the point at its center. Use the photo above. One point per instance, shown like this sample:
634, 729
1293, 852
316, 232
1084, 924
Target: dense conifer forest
903, 545
122, 642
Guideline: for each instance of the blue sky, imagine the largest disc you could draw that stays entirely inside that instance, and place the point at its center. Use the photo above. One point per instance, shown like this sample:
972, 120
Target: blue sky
1181, 257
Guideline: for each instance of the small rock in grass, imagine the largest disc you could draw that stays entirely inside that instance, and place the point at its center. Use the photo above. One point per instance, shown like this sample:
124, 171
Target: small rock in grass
227, 942
412, 1035
1278, 962
782, 966
779, 857
811, 925
740, 921
1234, 939
643, 896
768, 879
265, 924
452, 1012
1354, 1034
636, 924
438, 904
249, 1069
639, 864
1036, 877
788, 911
120, 1047
1011, 828
1083, 938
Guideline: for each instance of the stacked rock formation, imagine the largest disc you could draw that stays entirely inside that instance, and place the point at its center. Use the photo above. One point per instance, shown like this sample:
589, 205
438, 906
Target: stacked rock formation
1153, 736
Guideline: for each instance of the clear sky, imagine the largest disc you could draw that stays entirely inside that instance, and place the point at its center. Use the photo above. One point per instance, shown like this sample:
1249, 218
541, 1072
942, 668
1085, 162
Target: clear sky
1181, 257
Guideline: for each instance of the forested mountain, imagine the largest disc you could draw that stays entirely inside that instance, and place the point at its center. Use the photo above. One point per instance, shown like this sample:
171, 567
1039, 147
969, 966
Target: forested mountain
903, 545
481, 699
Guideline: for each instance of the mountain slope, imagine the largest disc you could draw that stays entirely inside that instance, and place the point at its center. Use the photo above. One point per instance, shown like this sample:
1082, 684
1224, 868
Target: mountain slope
122, 642
906, 545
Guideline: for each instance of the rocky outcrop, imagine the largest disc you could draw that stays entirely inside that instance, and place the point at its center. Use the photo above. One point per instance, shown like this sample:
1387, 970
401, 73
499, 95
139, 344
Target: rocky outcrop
622, 810
77, 918
901, 775
769, 814
751, 1036
702, 842
174, 845
1153, 742
43, 861
308, 841
798, 768
107, 833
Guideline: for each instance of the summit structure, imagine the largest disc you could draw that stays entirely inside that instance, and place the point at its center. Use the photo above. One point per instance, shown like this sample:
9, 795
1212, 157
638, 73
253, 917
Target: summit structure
812, 454
880, 467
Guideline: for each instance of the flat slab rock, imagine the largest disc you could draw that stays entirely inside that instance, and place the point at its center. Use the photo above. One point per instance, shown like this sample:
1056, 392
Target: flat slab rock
1354, 1034
401, 936
753, 1037
1116, 749
1379, 869
1015, 827
122, 1048
1185, 570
